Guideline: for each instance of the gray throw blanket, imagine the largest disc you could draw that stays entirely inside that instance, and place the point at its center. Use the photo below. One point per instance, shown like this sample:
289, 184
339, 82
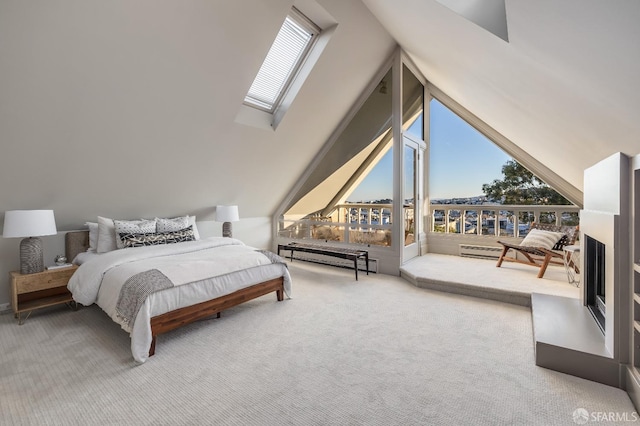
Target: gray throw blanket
135, 291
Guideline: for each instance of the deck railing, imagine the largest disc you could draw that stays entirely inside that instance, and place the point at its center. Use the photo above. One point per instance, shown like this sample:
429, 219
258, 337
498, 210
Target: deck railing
370, 224
511, 220
355, 223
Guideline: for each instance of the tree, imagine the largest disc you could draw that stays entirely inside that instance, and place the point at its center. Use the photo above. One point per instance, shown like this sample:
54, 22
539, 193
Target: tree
520, 186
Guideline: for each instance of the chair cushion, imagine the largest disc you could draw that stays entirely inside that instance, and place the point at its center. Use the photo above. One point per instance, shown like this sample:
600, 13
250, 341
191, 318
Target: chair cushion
539, 238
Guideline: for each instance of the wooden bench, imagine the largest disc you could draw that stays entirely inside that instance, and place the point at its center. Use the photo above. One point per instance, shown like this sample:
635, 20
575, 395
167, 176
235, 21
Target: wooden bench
339, 252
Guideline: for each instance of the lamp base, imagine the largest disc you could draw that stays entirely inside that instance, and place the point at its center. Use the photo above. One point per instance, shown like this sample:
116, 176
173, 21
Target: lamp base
226, 229
31, 260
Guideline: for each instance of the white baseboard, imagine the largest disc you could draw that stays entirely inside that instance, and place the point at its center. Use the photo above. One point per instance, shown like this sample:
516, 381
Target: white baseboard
5, 307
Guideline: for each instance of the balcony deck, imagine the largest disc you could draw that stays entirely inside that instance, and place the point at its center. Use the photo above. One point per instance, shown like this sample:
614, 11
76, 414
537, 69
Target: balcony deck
511, 283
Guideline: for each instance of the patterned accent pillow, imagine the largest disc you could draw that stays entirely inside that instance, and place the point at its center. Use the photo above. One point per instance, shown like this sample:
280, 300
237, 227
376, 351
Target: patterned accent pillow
171, 225
133, 227
539, 238
139, 240
192, 222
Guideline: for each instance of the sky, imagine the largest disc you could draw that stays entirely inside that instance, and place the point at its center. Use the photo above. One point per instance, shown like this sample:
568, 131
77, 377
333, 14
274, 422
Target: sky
461, 160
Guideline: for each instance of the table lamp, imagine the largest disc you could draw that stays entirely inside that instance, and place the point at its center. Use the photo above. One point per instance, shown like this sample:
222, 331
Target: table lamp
227, 214
29, 224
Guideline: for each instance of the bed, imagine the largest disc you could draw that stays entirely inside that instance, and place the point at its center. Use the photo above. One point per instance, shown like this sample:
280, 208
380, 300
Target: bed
151, 290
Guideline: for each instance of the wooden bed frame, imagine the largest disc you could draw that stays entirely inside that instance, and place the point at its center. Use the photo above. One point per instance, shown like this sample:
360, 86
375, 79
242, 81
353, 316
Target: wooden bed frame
78, 241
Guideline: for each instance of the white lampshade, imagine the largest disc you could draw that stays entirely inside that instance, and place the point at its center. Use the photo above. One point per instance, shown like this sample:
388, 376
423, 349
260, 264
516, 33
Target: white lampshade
227, 214
29, 223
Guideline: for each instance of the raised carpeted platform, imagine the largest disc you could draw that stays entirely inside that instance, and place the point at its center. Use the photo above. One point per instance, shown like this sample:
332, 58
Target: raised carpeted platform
511, 283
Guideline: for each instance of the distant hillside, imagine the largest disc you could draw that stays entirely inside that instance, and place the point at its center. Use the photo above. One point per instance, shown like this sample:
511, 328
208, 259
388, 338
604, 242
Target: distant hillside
480, 199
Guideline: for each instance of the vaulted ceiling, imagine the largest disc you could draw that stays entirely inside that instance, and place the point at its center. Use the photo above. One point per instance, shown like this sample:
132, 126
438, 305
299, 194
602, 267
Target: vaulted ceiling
564, 87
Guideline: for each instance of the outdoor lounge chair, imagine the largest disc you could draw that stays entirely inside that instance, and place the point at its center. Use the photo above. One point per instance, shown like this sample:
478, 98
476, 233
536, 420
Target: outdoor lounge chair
539, 249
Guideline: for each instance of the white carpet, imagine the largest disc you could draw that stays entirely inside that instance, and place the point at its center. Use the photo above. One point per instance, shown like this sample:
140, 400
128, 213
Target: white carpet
377, 351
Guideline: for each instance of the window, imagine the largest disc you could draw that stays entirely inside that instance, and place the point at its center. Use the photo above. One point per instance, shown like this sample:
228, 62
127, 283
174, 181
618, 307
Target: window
288, 52
348, 196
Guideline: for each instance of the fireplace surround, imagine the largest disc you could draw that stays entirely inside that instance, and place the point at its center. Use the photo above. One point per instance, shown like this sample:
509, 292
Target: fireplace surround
590, 337
594, 279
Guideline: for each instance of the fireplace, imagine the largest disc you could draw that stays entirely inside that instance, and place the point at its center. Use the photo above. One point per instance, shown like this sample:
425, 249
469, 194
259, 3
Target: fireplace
594, 279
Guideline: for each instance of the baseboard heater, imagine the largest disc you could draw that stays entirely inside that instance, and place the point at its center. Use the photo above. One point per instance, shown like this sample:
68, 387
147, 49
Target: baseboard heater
326, 260
479, 252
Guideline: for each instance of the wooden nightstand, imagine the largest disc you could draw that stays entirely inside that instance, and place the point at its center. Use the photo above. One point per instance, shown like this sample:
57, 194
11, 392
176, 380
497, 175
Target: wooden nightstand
33, 291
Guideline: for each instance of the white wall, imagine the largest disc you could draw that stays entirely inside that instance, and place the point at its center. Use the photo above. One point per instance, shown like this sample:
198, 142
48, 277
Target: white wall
603, 185
126, 108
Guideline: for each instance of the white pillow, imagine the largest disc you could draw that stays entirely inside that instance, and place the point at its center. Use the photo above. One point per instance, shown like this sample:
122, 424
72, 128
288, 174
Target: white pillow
93, 235
128, 227
192, 222
172, 225
106, 235
540, 238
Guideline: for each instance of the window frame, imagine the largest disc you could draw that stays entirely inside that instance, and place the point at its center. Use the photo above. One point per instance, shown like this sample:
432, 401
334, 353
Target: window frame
304, 23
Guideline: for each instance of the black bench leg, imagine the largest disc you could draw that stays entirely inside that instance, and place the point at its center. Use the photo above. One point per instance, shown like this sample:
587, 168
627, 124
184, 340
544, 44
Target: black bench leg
366, 258
355, 266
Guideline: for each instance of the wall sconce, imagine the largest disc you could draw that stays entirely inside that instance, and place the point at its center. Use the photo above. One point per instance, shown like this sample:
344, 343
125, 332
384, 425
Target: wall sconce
29, 224
227, 214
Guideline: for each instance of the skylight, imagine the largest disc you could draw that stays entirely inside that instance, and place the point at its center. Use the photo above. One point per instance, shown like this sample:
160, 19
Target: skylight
285, 57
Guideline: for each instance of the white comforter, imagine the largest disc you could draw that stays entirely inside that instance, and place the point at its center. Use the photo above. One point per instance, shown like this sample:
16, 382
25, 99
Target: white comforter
200, 270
